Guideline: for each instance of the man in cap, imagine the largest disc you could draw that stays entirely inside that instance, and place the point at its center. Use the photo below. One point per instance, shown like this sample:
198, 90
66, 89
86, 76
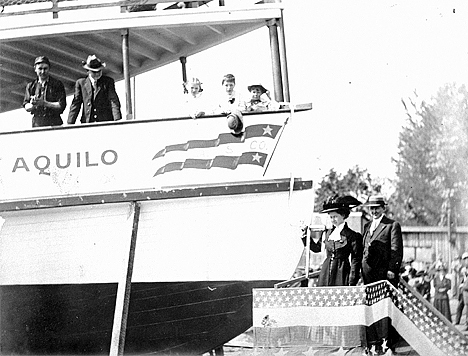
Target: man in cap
45, 96
382, 257
96, 93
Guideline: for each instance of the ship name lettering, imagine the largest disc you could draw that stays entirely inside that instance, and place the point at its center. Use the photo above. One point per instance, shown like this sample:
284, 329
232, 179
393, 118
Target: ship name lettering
43, 162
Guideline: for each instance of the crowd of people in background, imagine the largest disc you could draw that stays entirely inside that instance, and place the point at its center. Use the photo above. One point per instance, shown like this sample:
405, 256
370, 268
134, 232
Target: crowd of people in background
96, 98
438, 284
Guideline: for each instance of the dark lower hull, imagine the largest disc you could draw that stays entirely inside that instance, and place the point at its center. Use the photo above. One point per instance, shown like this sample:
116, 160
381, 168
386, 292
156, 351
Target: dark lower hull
164, 318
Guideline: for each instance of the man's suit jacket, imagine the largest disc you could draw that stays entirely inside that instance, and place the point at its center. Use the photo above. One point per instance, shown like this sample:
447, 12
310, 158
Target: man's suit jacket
383, 250
101, 105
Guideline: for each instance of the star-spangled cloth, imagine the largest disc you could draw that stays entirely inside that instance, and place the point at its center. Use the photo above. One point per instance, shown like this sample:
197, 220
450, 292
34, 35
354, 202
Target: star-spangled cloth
306, 319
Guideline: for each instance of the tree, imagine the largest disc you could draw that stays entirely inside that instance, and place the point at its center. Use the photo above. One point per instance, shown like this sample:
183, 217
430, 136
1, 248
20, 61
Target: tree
356, 182
432, 163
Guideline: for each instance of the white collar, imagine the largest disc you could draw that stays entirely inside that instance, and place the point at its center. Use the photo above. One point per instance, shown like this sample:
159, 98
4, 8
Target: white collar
336, 234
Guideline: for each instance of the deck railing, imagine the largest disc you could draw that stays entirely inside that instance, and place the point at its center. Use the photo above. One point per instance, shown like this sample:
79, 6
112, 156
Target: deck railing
55, 7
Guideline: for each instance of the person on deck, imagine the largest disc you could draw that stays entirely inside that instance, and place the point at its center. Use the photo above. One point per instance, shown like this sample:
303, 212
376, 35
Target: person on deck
231, 99
260, 99
196, 104
96, 93
45, 97
442, 285
341, 244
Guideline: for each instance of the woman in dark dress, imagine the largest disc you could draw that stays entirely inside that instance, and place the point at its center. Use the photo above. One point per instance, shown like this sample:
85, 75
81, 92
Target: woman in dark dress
343, 246
441, 287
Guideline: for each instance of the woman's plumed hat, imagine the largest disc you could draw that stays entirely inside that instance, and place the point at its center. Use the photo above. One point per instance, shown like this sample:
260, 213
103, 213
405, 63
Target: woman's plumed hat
93, 63
335, 203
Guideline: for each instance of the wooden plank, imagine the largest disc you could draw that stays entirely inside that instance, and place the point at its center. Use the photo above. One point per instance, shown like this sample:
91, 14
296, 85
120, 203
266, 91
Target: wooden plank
169, 193
123, 291
146, 19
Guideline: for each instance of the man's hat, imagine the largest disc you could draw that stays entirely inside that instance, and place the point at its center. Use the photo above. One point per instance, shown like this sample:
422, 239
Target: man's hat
42, 59
335, 203
235, 122
375, 200
465, 255
93, 63
261, 87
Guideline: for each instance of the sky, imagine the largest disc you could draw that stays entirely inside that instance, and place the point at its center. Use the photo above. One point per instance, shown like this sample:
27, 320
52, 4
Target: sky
354, 61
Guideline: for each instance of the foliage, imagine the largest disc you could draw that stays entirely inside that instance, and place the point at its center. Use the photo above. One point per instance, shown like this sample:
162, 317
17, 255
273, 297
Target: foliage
432, 164
356, 182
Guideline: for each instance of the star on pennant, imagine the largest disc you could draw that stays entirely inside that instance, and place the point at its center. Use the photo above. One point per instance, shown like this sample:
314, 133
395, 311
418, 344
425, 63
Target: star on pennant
256, 157
267, 130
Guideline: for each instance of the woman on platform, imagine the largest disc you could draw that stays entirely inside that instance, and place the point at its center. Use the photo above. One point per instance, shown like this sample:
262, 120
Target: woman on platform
343, 246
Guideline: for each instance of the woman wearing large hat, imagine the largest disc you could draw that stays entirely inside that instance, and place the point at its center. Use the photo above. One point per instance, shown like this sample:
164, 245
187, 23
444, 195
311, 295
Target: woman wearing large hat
343, 246
441, 287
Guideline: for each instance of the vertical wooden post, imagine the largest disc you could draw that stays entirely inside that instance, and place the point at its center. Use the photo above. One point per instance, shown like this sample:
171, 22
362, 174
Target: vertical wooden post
126, 72
283, 60
183, 61
55, 9
123, 291
275, 60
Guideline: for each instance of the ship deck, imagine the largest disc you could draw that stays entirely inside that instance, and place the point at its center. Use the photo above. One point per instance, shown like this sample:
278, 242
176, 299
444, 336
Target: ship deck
158, 35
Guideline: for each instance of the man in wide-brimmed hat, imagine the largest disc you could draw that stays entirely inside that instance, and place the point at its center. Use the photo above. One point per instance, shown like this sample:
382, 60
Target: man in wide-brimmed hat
45, 97
96, 94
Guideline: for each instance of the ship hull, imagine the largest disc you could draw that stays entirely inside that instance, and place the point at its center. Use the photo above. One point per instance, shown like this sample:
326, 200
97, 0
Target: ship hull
164, 318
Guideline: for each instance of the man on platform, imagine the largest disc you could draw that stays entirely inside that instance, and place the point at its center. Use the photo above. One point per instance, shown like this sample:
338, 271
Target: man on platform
45, 96
382, 257
96, 93
383, 245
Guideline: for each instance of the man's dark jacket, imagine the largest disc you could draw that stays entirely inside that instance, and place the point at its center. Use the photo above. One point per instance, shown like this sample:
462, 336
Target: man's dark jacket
101, 105
383, 251
55, 92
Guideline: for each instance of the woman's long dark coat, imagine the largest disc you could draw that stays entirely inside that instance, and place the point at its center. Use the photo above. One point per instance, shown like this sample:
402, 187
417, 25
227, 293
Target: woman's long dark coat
342, 265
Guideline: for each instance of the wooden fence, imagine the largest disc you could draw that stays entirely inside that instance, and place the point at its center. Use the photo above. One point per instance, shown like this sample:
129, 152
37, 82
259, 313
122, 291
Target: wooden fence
426, 244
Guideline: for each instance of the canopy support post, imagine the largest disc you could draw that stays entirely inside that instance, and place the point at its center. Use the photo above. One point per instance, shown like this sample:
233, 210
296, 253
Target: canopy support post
183, 61
126, 72
275, 60
283, 60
